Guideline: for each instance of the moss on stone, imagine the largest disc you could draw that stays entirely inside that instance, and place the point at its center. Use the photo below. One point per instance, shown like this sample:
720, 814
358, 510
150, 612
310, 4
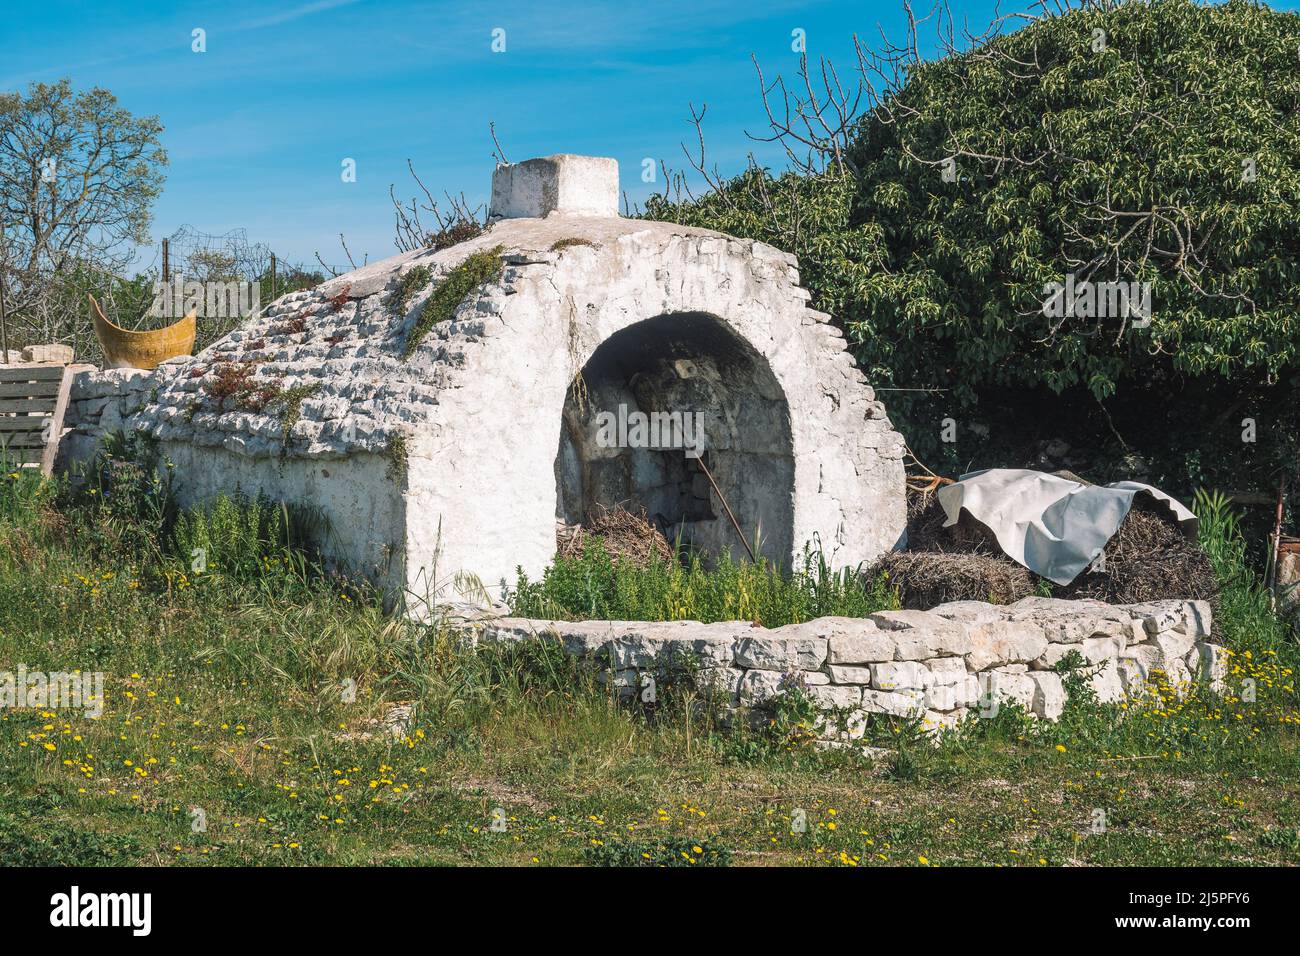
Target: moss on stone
559, 244
479, 268
396, 454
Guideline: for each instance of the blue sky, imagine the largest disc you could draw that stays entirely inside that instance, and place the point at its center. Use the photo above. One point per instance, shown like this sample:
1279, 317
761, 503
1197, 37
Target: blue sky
257, 127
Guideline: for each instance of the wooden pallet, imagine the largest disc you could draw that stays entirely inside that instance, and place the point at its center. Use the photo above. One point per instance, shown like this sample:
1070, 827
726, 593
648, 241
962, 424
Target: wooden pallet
33, 400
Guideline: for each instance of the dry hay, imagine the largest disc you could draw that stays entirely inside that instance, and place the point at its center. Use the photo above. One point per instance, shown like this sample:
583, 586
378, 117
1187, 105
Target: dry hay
925, 530
926, 579
961, 563
624, 535
1148, 559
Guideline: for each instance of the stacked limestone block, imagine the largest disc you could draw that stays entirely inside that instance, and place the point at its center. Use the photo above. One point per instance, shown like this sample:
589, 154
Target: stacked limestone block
934, 665
100, 403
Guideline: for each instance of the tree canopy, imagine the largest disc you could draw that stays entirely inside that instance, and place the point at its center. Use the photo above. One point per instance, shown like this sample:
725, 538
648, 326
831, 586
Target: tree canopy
78, 176
1149, 142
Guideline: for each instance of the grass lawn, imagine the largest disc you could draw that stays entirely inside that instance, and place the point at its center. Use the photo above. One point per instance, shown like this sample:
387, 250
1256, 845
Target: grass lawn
243, 725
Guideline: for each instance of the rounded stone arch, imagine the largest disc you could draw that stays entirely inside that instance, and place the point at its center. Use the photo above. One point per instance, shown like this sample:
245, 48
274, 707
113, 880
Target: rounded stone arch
487, 482
678, 416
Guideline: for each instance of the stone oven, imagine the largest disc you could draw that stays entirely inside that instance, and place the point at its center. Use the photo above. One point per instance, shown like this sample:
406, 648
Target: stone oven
441, 410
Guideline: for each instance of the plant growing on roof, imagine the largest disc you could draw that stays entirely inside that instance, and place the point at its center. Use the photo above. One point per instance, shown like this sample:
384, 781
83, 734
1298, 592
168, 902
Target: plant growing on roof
409, 285
289, 402
478, 269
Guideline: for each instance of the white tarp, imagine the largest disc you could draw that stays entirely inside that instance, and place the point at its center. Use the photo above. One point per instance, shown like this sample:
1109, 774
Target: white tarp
1053, 526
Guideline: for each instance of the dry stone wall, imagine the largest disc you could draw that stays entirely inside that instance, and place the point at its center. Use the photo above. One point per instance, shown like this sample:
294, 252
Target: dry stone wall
935, 665
101, 402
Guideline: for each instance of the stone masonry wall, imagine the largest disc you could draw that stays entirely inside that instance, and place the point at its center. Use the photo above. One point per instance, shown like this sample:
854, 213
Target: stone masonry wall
929, 664
100, 402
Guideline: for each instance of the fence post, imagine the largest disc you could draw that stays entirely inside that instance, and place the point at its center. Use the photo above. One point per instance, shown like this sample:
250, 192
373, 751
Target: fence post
271, 297
166, 264
4, 317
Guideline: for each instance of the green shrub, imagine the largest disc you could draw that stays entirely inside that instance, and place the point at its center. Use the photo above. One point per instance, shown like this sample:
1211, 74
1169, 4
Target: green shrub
241, 536
911, 262
124, 501
23, 493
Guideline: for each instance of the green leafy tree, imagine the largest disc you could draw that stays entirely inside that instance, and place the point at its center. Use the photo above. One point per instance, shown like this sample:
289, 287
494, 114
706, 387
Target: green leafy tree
1152, 142
78, 177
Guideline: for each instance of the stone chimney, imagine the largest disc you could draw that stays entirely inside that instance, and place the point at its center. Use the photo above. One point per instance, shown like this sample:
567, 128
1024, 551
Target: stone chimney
562, 184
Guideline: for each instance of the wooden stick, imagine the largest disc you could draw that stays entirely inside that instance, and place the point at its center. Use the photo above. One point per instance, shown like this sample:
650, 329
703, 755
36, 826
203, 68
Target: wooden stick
51, 449
1138, 757
734, 523
1276, 555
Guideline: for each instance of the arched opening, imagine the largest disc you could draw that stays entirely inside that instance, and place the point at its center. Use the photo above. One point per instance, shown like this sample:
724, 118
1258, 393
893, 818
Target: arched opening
658, 405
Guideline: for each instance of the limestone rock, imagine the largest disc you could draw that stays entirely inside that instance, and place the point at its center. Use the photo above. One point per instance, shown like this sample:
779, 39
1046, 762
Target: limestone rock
724, 681
1208, 663
850, 725
835, 696
899, 704
919, 635
1173, 644
759, 685
970, 612
564, 184
579, 638
948, 697
856, 641
1049, 695
1107, 684
900, 675
849, 674
946, 671
1014, 687
662, 643
1003, 642
934, 721
48, 354
781, 654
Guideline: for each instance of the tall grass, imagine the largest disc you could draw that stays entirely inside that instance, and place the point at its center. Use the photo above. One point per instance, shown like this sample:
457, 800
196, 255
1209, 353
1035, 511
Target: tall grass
23, 493
241, 536
226, 694
1247, 621
120, 509
596, 586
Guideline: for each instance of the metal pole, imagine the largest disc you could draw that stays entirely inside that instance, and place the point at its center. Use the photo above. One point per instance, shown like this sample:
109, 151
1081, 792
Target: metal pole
271, 297
166, 264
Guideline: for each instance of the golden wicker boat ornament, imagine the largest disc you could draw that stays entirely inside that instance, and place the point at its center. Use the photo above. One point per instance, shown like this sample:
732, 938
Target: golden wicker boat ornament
124, 348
